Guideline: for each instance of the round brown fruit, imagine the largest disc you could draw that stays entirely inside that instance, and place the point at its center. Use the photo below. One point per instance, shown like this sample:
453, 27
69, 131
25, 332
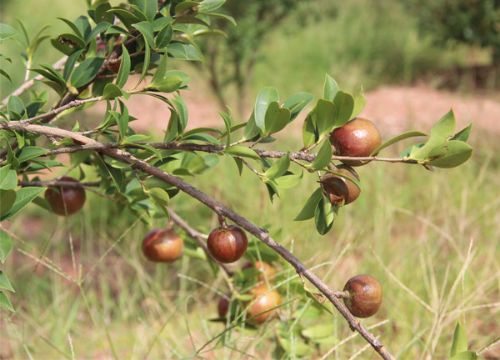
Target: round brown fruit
357, 138
223, 307
227, 244
162, 245
64, 199
365, 295
264, 304
341, 190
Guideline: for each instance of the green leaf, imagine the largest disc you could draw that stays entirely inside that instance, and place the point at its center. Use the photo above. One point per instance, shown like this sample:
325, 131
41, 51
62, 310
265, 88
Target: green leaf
450, 154
5, 302
5, 283
330, 88
16, 108
463, 135
182, 111
242, 151
183, 51
146, 29
226, 117
7, 199
465, 355
297, 347
265, 97
31, 152
111, 91
8, 178
124, 71
4, 74
68, 43
323, 116
70, 64
398, 138
5, 245
164, 37
309, 133
459, 342
86, 72
297, 102
276, 118
324, 216
169, 84
323, 157
148, 7
23, 197
279, 168
440, 133
208, 6
344, 106
309, 208
6, 32
288, 181
359, 103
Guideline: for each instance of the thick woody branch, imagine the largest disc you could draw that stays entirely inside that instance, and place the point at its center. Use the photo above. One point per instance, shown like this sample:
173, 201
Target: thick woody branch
222, 210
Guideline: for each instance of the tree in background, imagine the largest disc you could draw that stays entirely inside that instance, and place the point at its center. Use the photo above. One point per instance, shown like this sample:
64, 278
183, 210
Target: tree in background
472, 22
230, 63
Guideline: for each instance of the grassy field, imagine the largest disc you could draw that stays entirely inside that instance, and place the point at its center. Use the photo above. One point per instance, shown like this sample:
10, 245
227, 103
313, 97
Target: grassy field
84, 290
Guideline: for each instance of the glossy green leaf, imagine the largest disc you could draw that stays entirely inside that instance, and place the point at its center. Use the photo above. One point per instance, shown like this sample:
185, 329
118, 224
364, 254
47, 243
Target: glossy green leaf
330, 88
183, 51
23, 197
208, 6
86, 72
463, 135
344, 106
276, 118
309, 133
288, 181
5, 245
309, 208
30, 152
324, 216
450, 154
8, 178
297, 102
148, 7
5, 302
5, 284
323, 157
242, 151
265, 97
70, 64
111, 91
440, 133
7, 200
124, 71
278, 168
166, 85
164, 37
323, 116
6, 32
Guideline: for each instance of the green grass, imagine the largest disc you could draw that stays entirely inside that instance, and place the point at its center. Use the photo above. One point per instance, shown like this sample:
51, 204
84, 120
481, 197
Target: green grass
411, 228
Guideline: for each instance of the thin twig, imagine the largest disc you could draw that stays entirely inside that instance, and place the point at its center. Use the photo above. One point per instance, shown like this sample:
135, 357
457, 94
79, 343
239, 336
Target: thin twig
220, 209
59, 183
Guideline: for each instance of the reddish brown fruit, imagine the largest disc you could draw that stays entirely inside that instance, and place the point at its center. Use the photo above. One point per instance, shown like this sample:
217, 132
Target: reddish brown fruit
65, 200
227, 244
264, 304
222, 307
341, 190
357, 138
162, 245
365, 295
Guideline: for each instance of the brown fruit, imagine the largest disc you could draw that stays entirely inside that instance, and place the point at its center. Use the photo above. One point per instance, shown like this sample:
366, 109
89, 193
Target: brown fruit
222, 307
162, 245
365, 295
266, 271
227, 244
264, 304
65, 200
341, 190
357, 138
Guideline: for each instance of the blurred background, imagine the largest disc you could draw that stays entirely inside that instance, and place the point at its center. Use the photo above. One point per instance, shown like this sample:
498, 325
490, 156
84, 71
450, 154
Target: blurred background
431, 237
